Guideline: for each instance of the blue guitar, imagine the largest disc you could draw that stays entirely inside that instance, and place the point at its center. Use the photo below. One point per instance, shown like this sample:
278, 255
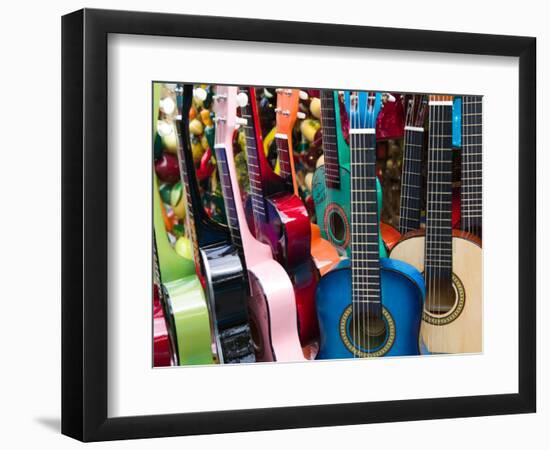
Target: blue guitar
372, 306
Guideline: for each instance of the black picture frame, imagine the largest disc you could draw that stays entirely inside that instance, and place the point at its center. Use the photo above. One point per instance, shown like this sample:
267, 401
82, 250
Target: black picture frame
84, 224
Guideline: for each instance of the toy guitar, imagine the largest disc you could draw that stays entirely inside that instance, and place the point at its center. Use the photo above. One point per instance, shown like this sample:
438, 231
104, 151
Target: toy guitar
280, 219
450, 259
324, 254
271, 305
217, 259
164, 341
331, 181
373, 308
368, 115
184, 305
471, 185
411, 175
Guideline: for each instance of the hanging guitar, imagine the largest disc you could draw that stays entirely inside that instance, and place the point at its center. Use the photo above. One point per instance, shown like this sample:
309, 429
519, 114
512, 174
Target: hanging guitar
280, 219
450, 259
471, 166
271, 305
411, 175
374, 307
331, 180
184, 303
370, 115
217, 258
324, 254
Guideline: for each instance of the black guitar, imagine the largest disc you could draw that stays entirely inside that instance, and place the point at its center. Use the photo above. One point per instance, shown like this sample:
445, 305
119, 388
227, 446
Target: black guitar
219, 261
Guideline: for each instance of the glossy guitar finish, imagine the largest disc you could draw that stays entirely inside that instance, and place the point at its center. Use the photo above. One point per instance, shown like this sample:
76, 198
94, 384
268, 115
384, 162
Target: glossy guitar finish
449, 259
402, 293
271, 305
218, 260
183, 297
280, 219
373, 306
331, 180
324, 254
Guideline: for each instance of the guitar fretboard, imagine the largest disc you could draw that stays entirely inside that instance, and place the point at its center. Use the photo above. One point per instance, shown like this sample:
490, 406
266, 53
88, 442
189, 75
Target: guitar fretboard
411, 180
284, 157
253, 165
228, 196
330, 142
438, 249
471, 183
364, 222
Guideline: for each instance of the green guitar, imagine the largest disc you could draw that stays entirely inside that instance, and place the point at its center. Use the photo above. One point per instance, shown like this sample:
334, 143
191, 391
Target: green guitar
185, 303
331, 181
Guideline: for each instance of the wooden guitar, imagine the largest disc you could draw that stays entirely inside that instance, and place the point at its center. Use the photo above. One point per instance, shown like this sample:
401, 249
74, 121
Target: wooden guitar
218, 259
449, 259
271, 305
280, 219
374, 307
471, 165
184, 303
324, 253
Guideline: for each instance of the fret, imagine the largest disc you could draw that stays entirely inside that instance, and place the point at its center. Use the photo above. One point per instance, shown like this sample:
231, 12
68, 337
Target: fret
228, 196
329, 138
364, 219
252, 163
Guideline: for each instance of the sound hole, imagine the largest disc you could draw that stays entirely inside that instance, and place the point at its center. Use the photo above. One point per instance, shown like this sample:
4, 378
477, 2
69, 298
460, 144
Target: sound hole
441, 297
337, 227
368, 330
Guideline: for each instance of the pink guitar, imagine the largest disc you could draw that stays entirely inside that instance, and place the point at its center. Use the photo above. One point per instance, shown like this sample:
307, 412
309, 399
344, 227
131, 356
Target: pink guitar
271, 305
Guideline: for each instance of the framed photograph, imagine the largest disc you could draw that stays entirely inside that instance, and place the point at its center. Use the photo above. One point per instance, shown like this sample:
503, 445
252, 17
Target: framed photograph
273, 224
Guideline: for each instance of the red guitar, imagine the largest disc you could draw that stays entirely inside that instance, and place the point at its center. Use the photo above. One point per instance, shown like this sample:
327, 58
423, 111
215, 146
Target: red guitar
280, 219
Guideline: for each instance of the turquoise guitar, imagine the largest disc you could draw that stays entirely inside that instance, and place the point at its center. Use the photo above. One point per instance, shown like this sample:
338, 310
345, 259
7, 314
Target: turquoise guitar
331, 181
373, 306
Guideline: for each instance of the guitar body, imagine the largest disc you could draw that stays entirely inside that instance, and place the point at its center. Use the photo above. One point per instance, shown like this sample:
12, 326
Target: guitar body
459, 330
189, 313
227, 289
403, 297
272, 313
390, 235
162, 348
332, 208
287, 232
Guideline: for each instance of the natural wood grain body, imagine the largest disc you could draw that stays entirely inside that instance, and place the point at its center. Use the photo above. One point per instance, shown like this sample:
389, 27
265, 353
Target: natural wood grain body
464, 334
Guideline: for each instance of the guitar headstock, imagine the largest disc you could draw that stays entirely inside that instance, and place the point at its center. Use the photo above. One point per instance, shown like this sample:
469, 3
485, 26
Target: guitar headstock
224, 104
363, 108
288, 101
417, 108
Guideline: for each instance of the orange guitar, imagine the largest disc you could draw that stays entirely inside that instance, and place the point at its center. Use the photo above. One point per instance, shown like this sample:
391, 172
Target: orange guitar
323, 252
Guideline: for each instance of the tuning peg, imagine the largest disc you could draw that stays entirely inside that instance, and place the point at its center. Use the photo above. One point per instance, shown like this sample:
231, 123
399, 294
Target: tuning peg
303, 95
301, 115
242, 99
167, 105
241, 121
200, 93
164, 128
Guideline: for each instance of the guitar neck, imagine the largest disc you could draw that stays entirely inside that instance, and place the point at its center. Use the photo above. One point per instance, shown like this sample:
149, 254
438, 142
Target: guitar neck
411, 180
286, 160
229, 196
255, 159
471, 183
330, 141
438, 248
202, 230
364, 222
